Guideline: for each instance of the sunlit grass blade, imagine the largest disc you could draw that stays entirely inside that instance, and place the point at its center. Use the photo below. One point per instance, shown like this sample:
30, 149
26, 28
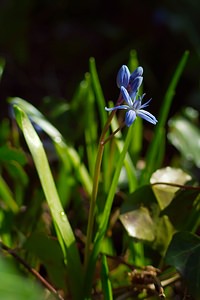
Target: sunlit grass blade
7, 196
105, 216
154, 148
106, 283
67, 153
49, 188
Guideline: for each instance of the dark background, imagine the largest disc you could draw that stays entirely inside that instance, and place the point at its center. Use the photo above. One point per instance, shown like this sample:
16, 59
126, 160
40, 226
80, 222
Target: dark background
47, 44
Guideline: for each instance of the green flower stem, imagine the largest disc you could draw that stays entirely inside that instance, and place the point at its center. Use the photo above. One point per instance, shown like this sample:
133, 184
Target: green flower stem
95, 189
105, 218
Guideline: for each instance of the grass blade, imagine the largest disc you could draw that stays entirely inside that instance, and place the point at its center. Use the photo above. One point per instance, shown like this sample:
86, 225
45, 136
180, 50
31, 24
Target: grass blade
154, 148
48, 185
106, 283
67, 153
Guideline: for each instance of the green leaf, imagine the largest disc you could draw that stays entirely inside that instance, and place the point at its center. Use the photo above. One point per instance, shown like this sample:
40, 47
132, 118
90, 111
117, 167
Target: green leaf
106, 283
140, 215
128, 163
105, 216
185, 136
62, 225
165, 193
154, 149
8, 154
7, 196
38, 244
138, 223
15, 286
184, 254
68, 154
187, 203
98, 91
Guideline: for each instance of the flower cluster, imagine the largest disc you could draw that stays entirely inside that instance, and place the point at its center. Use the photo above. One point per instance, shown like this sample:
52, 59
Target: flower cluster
129, 85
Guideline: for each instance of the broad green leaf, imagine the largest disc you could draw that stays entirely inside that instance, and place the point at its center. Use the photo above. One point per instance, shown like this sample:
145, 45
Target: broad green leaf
38, 244
62, 225
185, 136
140, 215
14, 286
184, 254
165, 193
139, 224
184, 210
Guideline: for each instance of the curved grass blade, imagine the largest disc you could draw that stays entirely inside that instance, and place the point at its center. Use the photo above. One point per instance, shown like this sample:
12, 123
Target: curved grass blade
67, 153
49, 188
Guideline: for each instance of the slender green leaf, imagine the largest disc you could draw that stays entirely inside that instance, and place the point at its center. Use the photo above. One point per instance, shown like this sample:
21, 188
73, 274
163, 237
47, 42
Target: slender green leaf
98, 91
67, 153
58, 214
106, 283
105, 216
103, 117
154, 148
136, 143
128, 163
91, 135
7, 196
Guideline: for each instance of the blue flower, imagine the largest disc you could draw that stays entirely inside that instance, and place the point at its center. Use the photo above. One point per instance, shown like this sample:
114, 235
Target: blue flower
129, 85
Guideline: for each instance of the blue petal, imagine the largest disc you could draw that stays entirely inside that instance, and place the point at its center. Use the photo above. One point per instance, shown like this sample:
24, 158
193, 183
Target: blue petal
123, 77
147, 116
136, 73
130, 117
126, 96
117, 107
134, 85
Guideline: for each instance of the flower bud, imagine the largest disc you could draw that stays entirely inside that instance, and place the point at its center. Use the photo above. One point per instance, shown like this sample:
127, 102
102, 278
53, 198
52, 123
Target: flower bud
123, 77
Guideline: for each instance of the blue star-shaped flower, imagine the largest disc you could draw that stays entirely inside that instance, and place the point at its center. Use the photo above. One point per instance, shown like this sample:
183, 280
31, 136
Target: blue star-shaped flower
129, 85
